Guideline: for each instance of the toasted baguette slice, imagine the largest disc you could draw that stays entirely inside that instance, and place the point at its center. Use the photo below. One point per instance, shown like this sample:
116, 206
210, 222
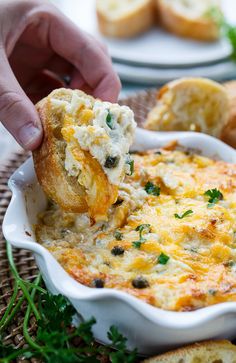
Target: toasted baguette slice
229, 131
83, 156
221, 351
190, 104
190, 18
123, 18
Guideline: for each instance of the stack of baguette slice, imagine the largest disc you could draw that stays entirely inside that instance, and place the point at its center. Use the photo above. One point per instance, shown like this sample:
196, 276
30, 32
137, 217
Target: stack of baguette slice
188, 18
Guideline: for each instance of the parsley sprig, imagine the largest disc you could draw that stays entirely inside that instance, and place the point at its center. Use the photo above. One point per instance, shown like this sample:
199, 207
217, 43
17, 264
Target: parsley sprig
110, 120
55, 334
214, 196
227, 30
141, 229
163, 259
185, 214
153, 189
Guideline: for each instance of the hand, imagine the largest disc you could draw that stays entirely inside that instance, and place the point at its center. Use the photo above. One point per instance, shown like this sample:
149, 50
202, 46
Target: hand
38, 46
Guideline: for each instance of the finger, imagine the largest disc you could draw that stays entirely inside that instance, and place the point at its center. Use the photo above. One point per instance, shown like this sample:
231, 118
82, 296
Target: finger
42, 84
60, 66
84, 53
17, 113
100, 44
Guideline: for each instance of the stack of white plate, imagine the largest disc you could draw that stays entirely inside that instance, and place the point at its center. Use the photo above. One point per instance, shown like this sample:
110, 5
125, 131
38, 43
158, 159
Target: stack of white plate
157, 56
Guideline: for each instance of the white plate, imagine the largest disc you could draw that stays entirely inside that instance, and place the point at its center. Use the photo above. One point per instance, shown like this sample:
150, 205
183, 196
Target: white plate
156, 47
146, 327
157, 76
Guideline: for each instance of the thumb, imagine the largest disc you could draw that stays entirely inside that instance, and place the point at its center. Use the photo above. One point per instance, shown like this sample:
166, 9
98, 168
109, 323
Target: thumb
17, 112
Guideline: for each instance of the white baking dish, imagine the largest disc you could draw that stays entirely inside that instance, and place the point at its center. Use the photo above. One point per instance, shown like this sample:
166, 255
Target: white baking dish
146, 327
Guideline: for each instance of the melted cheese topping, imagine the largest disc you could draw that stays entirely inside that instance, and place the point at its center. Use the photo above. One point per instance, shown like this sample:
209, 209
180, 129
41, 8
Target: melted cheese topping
98, 136
179, 263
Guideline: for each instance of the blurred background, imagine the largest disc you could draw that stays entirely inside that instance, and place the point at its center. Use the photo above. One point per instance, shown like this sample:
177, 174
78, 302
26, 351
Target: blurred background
156, 56
146, 51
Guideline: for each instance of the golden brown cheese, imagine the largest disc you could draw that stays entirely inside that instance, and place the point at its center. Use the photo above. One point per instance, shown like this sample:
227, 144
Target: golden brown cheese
176, 260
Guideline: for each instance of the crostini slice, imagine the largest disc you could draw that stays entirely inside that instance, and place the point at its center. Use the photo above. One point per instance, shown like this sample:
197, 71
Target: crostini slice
124, 19
84, 153
221, 351
190, 104
190, 18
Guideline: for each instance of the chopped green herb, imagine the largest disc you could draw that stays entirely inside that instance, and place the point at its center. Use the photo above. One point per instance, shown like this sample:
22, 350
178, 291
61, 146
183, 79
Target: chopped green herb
110, 120
214, 13
185, 214
118, 235
212, 292
163, 259
153, 189
194, 249
230, 263
214, 196
137, 244
141, 229
227, 30
130, 163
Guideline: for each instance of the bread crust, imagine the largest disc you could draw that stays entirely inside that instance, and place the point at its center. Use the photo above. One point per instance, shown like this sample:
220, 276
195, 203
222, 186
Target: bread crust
48, 166
130, 25
204, 29
81, 187
203, 350
229, 131
177, 107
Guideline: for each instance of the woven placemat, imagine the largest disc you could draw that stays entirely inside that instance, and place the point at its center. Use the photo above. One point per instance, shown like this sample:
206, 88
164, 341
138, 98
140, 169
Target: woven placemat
140, 103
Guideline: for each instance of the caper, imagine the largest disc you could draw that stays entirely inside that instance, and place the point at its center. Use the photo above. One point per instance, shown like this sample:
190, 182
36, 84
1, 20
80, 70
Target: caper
99, 283
117, 251
118, 202
111, 162
64, 232
140, 282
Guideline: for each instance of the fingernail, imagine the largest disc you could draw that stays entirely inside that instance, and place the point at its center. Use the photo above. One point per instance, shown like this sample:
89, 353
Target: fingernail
28, 135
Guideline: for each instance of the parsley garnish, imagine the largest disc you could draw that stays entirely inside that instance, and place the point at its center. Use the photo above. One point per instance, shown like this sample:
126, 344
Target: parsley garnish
119, 343
141, 229
215, 196
54, 330
118, 235
110, 120
185, 214
163, 259
227, 30
153, 189
212, 292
